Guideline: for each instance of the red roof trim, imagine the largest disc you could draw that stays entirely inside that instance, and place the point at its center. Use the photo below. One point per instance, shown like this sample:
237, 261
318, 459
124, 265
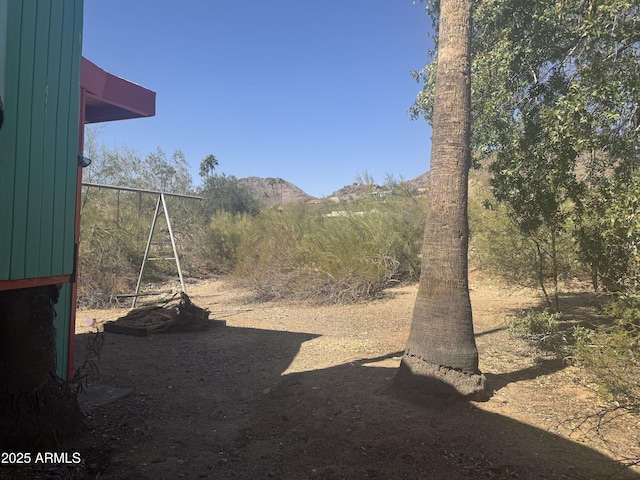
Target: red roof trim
108, 97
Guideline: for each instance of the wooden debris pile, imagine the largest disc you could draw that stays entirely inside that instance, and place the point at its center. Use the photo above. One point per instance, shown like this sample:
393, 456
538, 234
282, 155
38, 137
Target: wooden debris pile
174, 316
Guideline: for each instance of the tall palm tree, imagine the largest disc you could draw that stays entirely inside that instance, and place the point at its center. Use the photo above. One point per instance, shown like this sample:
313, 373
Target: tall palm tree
208, 165
441, 356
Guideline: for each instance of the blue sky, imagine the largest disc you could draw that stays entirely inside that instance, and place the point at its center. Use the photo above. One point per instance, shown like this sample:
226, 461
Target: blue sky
312, 92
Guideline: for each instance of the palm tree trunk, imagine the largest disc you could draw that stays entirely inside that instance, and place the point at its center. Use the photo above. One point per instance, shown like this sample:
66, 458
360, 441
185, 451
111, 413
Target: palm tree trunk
441, 355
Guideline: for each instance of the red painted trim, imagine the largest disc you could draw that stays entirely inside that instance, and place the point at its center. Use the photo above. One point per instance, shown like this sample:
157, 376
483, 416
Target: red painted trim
108, 97
33, 282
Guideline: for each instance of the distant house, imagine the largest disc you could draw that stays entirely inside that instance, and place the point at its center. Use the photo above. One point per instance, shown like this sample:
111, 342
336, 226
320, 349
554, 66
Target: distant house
48, 93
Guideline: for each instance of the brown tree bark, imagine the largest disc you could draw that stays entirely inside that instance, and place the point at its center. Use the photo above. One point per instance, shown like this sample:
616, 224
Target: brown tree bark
37, 409
441, 356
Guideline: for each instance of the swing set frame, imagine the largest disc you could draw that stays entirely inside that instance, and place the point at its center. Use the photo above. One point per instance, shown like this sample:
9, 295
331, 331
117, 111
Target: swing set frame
161, 202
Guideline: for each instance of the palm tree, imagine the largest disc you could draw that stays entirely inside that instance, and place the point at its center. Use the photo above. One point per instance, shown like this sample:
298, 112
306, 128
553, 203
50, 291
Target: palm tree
441, 356
208, 165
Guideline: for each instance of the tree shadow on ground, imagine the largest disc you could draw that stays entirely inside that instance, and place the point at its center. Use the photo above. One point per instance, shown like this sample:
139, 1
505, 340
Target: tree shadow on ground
489, 332
357, 431
217, 405
577, 309
542, 367
582, 309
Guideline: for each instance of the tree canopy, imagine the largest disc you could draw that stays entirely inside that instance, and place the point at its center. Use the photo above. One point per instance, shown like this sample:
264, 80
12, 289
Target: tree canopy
208, 165
555, 106
224, 193
573, 64
126, 167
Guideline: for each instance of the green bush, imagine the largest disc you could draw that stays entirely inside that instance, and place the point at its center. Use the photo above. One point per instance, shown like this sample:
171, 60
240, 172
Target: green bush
609, 233
612, 360
612, 357
216, 245
332, 253
542, 258
112, 242
542, 329
222, 193
325, 252
497, 245
625, 310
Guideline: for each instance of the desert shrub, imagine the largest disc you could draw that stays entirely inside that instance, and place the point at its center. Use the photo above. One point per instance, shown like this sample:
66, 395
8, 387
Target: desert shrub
499, 247
542, 329
112, 241
217, 244
496, 246
332, 253
347, 258
266, 261
612, 356
626, 311
612, 360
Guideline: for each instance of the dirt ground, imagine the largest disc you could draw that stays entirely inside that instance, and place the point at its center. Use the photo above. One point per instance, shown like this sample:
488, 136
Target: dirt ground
293, 391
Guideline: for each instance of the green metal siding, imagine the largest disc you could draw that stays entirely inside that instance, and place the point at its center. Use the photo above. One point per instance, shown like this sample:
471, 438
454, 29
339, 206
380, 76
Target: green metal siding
39, 138
62, 326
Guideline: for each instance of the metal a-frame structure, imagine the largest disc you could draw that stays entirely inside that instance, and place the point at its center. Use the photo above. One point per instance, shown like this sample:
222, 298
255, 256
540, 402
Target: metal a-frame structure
160, 203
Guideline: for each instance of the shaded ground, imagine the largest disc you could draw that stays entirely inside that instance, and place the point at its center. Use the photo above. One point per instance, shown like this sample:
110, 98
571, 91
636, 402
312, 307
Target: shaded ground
292, 391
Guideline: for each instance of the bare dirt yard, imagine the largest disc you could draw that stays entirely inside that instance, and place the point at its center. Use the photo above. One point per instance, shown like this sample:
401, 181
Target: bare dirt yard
296, 391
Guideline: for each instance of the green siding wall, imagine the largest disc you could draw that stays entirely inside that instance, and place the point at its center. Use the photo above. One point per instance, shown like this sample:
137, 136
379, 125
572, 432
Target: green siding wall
62, 326
39, 138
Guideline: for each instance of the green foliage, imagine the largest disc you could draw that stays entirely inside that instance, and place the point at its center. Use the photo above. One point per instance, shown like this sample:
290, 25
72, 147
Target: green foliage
497, 245
553, 103
626, 310
567, 67
555, 98
539, 328
115, 224
222, 193
217, 246
125, 167
340, 256
327, 252
208, 165
611, 360
609, 234
612, 356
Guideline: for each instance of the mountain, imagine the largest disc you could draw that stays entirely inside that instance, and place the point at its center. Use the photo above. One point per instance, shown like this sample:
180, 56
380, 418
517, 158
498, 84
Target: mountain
275, 191
358, 190
418, 186
278, 192
421, 182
